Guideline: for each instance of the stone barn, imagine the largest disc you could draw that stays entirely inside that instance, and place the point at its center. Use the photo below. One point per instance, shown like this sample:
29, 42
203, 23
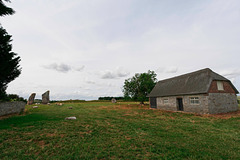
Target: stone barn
203, 91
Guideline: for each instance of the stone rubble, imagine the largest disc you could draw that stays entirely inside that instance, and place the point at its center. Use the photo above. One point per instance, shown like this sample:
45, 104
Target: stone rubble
70, 118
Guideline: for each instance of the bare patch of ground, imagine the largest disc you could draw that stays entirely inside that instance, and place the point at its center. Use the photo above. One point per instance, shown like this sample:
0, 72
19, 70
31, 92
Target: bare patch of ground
224, 115
41, 144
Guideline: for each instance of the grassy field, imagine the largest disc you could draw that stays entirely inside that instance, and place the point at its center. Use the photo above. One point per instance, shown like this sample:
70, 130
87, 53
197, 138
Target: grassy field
120, 131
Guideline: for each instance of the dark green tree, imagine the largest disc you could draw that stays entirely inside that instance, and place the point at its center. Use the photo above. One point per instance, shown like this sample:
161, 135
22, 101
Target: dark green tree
9, 62
139, 86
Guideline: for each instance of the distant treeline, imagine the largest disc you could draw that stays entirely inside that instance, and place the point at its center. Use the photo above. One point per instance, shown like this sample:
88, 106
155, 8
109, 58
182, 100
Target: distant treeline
110, 98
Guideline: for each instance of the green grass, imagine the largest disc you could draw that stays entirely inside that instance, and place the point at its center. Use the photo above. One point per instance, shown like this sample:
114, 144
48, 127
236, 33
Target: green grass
121, 131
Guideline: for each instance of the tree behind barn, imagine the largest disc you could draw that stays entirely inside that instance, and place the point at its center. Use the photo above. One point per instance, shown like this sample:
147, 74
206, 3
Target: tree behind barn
139, 86
9, 62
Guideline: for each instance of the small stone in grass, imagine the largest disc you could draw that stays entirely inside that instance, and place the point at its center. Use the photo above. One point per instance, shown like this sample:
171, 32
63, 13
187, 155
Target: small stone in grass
70, 118
35, 107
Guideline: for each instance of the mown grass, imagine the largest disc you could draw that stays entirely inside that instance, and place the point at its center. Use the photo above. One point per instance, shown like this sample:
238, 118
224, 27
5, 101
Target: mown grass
117, 131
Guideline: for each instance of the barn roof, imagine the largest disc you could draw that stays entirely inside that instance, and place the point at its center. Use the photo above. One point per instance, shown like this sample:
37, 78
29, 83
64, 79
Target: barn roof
192, 83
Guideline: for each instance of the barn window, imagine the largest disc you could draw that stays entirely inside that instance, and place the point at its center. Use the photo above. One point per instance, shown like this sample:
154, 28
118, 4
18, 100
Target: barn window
220, 85
194, 100
165, 101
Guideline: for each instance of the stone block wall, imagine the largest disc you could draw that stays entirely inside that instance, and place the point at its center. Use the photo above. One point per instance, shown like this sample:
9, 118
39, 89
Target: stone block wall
201, 108
211, 103
11, 107
172, 105
222, 103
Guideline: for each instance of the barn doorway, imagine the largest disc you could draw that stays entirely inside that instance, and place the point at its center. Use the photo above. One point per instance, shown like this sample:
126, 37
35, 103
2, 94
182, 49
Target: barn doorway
180, 104
153, 102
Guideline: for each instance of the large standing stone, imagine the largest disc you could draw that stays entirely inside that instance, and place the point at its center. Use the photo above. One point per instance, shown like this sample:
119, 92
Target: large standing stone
31, 99
45, 97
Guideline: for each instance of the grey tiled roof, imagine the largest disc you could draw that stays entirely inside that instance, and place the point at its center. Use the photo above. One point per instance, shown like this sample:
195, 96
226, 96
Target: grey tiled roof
192, 83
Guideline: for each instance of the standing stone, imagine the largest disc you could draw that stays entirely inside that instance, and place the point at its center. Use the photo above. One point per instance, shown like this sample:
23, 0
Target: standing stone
114, 100
45, 97
31, 99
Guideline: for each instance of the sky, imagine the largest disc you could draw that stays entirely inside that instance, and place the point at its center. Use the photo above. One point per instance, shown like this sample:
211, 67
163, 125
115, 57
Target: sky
85, 49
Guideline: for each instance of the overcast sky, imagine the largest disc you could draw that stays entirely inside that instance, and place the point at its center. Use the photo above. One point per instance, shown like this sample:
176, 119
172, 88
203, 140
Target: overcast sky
84, 49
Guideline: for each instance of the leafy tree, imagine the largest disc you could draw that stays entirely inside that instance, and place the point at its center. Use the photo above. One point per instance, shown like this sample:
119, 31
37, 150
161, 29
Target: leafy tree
9, 62
15, 97
139, 86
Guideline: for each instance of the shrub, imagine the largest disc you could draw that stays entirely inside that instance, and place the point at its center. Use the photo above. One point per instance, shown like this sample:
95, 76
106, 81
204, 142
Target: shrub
13, 97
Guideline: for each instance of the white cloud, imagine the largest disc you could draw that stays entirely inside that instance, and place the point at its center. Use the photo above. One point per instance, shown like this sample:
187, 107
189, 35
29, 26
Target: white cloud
120, 72
108, 75
90, 82
114, 74
172, 70
80, 68
167, 69
64, 68
117, 45
58, 67
231, 73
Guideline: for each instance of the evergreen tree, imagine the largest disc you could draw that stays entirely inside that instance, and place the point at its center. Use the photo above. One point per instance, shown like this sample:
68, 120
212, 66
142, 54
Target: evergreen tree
4, 10
9, 62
